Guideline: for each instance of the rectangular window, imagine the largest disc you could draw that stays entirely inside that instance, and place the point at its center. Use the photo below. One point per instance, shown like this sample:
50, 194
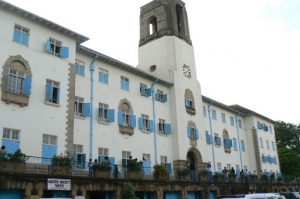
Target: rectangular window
163, 159
270, 129
103, 76
50, 139
261, 143
240, 123
103, 152
161, 126
80, 67
143, 90
11, 134
77, 148
231, 121
126, 155
273, 146
78, 106
208, 138
126, 118
146, 122
223, 117
234, 144
228, 166
160, 96
217, 140
103, 112
52, 91
21, 35
243, 145
267, 144
213, 114
124, 83
55, 47
204, 111
146, 157
15, 81
194, 135
189, 103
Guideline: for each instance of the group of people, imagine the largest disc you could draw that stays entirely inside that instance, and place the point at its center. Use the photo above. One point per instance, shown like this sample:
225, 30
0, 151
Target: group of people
106, 162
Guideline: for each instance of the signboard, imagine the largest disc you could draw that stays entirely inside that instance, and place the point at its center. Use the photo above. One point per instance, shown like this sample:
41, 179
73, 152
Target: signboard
59, 184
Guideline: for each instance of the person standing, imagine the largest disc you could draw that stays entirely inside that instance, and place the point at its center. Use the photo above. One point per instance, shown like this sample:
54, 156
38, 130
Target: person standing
90, 166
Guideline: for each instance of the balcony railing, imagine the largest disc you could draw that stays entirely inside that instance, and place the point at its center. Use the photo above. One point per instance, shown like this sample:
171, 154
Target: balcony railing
34, 165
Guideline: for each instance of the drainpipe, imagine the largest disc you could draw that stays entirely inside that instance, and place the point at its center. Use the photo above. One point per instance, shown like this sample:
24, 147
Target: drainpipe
211, 134
92, 69
154, 119
239, 142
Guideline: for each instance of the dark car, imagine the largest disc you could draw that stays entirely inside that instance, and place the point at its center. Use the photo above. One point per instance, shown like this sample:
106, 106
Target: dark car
291, 195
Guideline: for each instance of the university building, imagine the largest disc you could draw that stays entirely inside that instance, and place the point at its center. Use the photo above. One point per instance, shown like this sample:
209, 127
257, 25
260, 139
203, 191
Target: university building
60, 97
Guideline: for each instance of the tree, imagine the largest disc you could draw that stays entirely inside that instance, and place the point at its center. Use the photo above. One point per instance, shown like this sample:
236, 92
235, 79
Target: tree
288, 136
289, 162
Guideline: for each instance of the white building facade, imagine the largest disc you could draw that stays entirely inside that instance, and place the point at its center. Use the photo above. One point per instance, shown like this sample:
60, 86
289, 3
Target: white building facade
58, 96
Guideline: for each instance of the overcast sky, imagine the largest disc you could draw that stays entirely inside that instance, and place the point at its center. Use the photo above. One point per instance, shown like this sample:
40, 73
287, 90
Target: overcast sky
247, 51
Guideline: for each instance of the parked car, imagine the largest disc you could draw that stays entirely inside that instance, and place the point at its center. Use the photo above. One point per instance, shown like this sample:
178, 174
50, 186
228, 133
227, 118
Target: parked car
236, 196
264, 196
291, 195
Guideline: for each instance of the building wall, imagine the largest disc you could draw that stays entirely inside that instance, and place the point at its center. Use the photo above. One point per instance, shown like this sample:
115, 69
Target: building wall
37, 118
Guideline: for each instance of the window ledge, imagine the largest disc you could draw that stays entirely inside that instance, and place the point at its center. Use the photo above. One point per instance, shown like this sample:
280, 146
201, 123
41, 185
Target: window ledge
103, 122
52, 104
162, 133
78, 116
146, 131
191, 110
9, 97
126, 130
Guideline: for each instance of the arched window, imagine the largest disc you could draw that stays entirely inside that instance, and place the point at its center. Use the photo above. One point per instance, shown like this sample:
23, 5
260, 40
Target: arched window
152, 25
126, 119
227, 141
16, 81
180, 21
189, 102
192, 131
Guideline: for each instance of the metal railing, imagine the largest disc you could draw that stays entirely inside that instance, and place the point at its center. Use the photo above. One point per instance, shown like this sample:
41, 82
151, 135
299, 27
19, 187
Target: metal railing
39, 165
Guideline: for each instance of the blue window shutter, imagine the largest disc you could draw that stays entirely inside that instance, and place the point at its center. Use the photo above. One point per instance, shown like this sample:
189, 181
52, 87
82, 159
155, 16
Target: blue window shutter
25, 38
100, 159
230, 142
48, 46
142, 89
169, 167
111, 115
197, 134
49, 90
11, 146
27, 86
112, 162
132, 121
189, 132
86, 110
156, 96
147, 167
58, 95
82, 70
151, 125
17, 36
64, 52
164, 98
148, 92
141, 123
48, 151
106, 78
122, 84
168, 128
120, 118
83, 160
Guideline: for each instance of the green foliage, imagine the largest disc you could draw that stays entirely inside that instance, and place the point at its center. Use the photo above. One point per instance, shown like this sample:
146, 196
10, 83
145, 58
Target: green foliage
160, 171
218, 175
287, 136
18, 156
101, 167
231, 175
133, 165
129, 192
289, 162
183, 172
62, 161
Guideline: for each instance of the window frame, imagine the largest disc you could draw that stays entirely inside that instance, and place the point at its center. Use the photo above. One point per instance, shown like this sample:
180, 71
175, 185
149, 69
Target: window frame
24, 32
161, 126
146, 122
214, 114
104, 76
55, 47
55, 85
50, 139
80, 67
126, 155
78, 106
103, 151
125, 83
104, 109
8, 134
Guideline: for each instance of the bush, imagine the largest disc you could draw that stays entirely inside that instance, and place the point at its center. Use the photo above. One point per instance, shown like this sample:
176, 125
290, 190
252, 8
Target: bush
160, 171
133, 165
129, 192
231, 175
62, 161
18, 156
101, 167
183, 172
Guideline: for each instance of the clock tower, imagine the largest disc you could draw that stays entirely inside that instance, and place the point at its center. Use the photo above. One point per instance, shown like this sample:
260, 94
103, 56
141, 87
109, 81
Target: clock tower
166, 52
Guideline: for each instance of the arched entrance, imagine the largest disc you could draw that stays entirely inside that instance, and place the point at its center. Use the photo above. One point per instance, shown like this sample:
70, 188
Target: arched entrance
194, 159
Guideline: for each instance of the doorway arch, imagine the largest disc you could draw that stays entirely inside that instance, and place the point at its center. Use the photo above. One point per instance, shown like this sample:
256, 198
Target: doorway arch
194, 159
